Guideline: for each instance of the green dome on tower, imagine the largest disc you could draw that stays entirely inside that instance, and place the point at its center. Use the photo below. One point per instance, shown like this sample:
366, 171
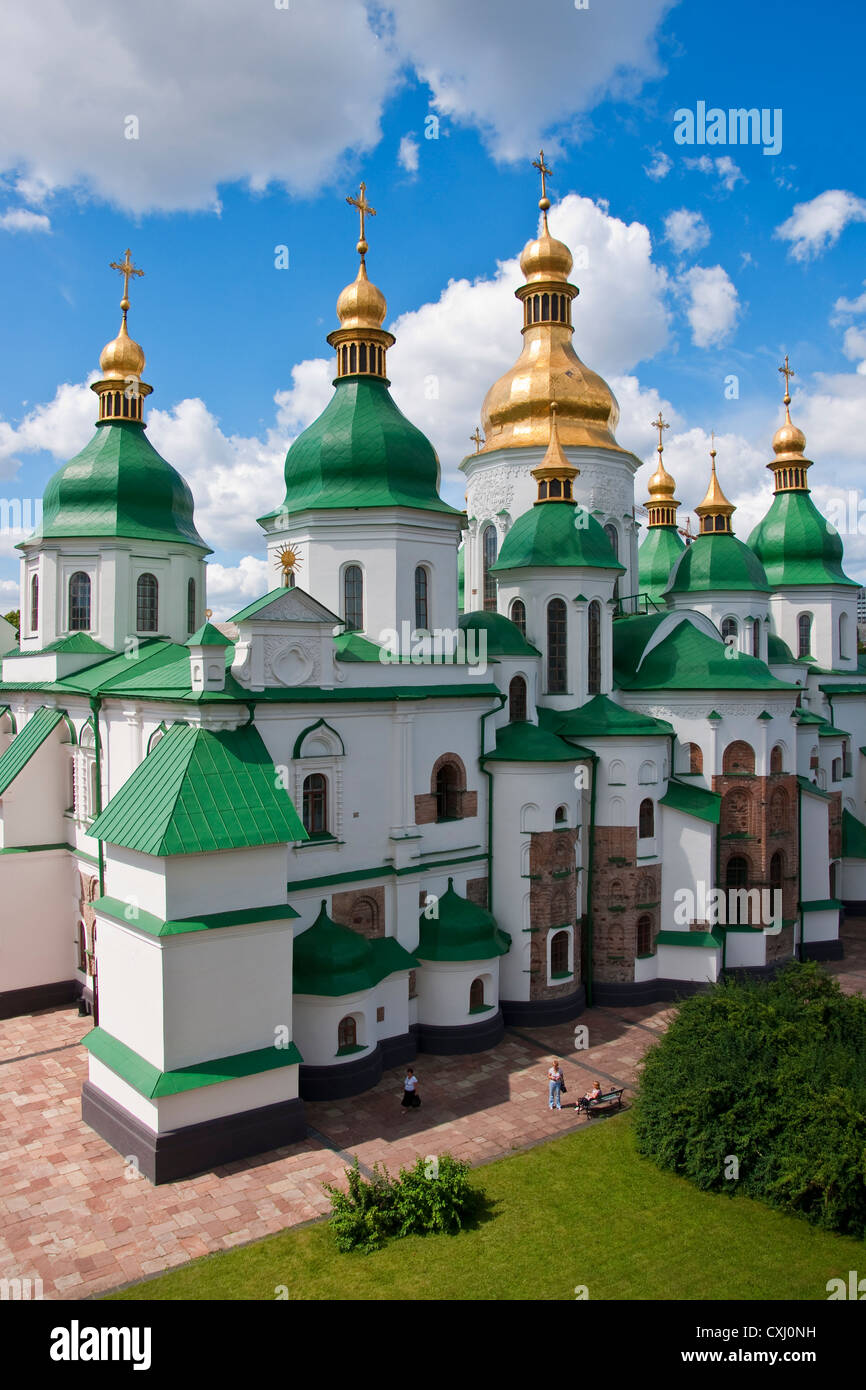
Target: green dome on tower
659, 551
715, 562
796, 545
555, 533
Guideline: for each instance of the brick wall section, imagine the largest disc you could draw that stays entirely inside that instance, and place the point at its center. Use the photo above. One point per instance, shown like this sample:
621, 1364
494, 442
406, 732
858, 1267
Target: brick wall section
759, 819
552, 904
425, 802
476, 891
835, 825
89, 889
623, 890
350, 910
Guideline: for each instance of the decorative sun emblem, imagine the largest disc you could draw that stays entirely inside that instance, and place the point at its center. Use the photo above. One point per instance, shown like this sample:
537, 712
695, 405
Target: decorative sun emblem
289, 561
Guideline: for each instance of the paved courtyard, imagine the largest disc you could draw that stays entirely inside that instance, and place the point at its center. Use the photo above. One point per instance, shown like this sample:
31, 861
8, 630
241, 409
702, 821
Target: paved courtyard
70, 1215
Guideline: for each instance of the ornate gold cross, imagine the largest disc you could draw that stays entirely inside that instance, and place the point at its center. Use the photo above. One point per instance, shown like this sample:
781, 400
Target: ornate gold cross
787, 373
543, 170
660, 424
363, 207
126, 269
477, 439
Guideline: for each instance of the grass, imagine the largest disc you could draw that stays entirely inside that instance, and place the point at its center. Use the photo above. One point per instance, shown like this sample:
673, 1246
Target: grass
583, 1210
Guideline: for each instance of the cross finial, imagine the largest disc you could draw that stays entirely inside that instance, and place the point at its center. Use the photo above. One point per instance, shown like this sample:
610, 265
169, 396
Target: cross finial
545, 173
787, 373
660, 424
713, 447
477, 439
126, 269
363, 207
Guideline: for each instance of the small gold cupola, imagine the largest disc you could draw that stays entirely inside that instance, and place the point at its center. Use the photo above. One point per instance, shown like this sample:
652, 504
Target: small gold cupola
661, 504
121, 390
554, 475
361, 342
789, 466
715, 511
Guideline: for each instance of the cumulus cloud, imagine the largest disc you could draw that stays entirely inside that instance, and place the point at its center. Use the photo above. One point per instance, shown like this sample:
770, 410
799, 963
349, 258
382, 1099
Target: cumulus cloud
739, 464
407, 154
686, 231
712, 305
61, 427
232, 587
815, 226
23, 220
660, 167
727, 173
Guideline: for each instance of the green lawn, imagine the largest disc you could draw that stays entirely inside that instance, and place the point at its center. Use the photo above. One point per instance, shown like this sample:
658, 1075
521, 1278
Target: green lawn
582, 1210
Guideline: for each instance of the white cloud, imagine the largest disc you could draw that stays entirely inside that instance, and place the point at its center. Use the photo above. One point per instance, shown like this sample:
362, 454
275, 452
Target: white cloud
660, 167
727, 172
232, 587
407, 155
686, 231
23, 220
844, 309
815, 226
62, 427
712, 305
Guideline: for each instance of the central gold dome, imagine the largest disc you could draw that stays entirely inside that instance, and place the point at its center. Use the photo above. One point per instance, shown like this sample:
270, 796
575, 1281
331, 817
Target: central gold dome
122, 357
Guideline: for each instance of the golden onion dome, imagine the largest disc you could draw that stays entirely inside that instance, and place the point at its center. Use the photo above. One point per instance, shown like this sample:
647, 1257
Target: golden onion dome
361, 304
661, 485
123, 357
545, 258
789, 441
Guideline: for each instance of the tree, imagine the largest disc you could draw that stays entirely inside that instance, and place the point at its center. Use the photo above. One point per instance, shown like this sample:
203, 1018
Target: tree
13, 618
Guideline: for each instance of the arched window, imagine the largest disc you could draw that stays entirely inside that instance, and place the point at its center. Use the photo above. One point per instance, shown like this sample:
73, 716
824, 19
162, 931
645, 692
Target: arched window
422, 614
449, 793
190, 606
488, 558
353, 598
518, 615
777, 864
561, 816
613, 536
347, 1034
738, 757
517, 699
776, 759
82, 948
34, 604
778, 813
593, 656
696, 758
476, 995
557, 655
756, 637
804, 634
644, 935
737, 872
559, 954
365, 916
843, 635
735, 812
79, 602
146, 604
729, 630
646, 819
315, 804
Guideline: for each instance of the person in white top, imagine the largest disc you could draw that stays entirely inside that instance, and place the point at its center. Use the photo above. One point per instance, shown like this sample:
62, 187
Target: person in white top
554, 1084
411, 1099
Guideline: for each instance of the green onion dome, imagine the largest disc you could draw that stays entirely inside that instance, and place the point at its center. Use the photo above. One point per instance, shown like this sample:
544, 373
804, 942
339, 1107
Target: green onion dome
119, 486
502, 637
657, 554
796, 545
460, 930
716, 562
361, 452
331, 959
556, 534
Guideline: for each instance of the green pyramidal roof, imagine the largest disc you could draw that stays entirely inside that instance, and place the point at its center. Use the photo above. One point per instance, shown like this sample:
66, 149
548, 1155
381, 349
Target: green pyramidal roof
25, 744
198, 792
688, 659
208, 636
717, 561
556, 533
455, 929
361, 452
119, 486
659, 551
796, 545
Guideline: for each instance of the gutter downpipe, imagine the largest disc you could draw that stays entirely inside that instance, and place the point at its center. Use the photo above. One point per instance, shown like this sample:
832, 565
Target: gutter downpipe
800, 868
95, 706
590, 866
489, 775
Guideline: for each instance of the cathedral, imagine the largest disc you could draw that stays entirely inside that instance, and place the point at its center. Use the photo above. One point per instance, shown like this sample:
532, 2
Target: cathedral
456, 771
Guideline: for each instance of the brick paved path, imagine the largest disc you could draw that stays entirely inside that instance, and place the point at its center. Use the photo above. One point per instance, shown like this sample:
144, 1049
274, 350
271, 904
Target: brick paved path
70, 1217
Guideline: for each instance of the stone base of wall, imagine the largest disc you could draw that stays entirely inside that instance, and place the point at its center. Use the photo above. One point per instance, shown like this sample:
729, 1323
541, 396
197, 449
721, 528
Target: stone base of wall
823, 950
540, 1013
180, 1153
14, 1002
609, 994
462, 1039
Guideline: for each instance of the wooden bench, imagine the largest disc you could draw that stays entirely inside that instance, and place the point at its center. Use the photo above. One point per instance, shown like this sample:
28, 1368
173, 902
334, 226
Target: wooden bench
610, 1100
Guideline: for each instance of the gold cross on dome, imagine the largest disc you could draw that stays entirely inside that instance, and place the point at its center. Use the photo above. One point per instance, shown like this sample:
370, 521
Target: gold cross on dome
543, 170
363, 207
126, 269
660, 424
787, 373
477, 439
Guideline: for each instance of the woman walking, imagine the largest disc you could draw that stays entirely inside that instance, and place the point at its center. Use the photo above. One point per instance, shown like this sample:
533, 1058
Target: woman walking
554, 1086
411, 1099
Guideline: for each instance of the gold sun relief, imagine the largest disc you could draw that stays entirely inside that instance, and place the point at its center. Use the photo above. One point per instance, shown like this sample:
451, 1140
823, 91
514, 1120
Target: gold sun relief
288, 560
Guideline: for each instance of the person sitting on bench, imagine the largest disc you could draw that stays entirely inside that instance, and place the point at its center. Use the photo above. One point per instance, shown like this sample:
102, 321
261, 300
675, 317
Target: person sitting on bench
594, 1093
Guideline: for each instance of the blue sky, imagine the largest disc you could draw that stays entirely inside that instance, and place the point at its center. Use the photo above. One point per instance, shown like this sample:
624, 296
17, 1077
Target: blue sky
254, 124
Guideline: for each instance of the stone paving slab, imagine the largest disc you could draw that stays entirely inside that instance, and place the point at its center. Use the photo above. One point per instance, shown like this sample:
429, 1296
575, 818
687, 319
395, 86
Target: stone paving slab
70, 1216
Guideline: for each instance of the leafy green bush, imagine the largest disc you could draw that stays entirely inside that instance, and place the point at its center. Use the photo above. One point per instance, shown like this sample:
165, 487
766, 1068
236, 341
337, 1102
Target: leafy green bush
433, 1197
772, 1075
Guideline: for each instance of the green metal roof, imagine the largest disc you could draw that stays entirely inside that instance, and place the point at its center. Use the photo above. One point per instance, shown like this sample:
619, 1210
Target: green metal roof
208, 636
693, 801
25, 744
659, 551
361, 452
460, 930
198, 792
549, 535
797, 546
119, 486
149, 1081
602, 717
631, 635
717, 561
812, 788
853, 837
333, 960
502, 636
523, 742
351, 646
688, 659
133, 915
778, 651
688, 938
